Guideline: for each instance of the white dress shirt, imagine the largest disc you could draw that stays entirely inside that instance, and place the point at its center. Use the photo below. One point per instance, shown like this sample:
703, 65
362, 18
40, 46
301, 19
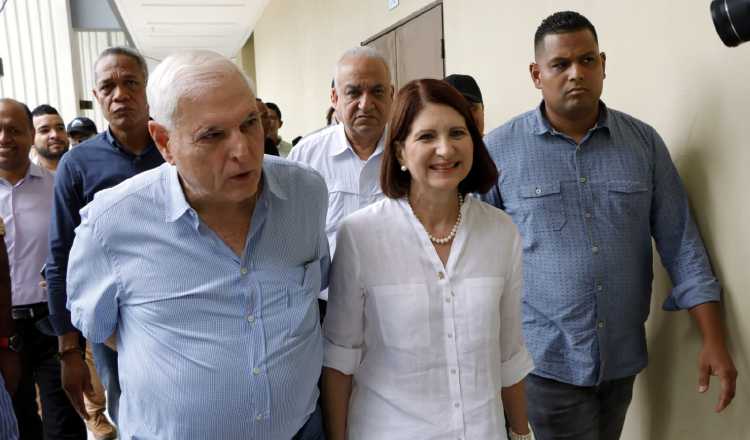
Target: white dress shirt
430, 346
26, 208
352, 183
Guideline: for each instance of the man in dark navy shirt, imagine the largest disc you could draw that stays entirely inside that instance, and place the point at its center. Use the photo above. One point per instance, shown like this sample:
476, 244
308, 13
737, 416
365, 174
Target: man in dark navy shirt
120, 152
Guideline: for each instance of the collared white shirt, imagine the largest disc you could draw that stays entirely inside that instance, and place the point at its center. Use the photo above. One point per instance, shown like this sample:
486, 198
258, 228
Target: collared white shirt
430, 346
352, 183
26, 208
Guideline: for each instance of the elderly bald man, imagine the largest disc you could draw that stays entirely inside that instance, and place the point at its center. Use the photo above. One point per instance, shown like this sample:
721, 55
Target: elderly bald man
208, 267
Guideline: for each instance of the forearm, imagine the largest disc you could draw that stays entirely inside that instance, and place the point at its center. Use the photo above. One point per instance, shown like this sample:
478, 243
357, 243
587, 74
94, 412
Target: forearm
336, 390
69, 340
708, 318
514, 403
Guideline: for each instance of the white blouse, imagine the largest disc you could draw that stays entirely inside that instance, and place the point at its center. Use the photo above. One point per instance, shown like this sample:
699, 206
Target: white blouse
429, 346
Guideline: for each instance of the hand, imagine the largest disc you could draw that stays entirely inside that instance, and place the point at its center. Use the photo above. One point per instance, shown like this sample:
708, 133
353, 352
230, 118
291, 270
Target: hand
75, 381
714, 360
10, 367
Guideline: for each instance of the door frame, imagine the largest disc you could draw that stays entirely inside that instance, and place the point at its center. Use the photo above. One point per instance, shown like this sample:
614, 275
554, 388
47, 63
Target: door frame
411, 17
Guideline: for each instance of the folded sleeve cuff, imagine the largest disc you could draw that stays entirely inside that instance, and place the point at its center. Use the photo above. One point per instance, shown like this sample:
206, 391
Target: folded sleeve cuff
516, 368
345, 360
688, 295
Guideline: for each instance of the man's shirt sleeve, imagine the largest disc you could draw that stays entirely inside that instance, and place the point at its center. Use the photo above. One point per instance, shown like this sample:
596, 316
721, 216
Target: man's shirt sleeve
67, 202
93, 285
677, 237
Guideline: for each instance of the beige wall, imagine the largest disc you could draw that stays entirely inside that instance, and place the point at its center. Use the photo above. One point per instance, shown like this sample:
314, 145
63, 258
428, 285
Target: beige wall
665, 66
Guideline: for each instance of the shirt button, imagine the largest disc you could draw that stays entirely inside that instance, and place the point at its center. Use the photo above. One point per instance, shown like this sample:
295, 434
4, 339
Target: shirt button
599, 287
441, 275
456, 405
587, 214
250, 318
243, 271
601, 324
538, 191
256, 371
582, 180
453, 371
259, 417
595, 249
448, 300
450, 335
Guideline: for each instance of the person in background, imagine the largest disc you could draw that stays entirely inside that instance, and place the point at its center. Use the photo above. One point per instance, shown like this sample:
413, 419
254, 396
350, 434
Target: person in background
25, 206
50, 138
208, 269
275, 123
348, 155
10, 344
121, 151
425, 290
469, 88
589, 187
81, 129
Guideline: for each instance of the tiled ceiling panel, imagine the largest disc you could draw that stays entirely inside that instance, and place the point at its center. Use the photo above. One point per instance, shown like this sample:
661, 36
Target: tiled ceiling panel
160, 27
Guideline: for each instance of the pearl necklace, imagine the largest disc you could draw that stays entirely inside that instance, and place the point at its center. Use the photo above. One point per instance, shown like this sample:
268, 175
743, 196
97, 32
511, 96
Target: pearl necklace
452, 234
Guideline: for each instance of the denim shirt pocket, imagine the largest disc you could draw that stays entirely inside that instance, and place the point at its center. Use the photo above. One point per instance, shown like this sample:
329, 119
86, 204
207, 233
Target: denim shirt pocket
542, 207
628, 199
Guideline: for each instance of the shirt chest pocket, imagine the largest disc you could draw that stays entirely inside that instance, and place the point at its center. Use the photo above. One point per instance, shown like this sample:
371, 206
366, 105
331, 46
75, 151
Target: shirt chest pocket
542, 207
341, 194
297, 288
402, 314
482, 297
628, 199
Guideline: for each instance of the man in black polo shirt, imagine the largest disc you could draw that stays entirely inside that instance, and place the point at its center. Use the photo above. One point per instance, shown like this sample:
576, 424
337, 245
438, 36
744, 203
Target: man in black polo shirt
120, 152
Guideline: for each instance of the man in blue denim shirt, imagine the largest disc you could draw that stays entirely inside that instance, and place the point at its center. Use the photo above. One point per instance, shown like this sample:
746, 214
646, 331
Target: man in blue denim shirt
588, 188
207, 269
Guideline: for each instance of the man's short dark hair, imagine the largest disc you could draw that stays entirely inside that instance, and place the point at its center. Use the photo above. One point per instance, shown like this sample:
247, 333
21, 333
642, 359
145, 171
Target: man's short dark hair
562, 23
44, 109
128, 52
275, 109
24, 107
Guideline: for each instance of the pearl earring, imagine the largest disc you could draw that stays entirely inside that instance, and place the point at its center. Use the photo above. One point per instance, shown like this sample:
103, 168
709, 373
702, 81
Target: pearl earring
403, 168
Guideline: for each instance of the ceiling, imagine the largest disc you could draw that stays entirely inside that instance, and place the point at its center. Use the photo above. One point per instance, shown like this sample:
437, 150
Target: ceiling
161, 27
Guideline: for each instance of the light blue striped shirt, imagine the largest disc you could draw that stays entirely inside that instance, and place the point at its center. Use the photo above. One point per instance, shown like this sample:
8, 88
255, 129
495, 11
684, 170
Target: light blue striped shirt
210, 345
8, 425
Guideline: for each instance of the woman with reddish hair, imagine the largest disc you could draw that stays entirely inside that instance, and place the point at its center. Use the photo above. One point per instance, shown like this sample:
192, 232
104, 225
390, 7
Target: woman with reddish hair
423, 332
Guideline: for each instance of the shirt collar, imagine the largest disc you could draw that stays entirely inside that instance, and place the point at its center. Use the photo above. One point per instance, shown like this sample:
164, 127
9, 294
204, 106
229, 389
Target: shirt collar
344, 144
115, 143
177, 205
34, 170
540, 124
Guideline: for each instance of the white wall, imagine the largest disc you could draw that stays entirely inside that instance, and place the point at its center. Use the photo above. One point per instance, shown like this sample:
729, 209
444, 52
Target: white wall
35, 45
665, 65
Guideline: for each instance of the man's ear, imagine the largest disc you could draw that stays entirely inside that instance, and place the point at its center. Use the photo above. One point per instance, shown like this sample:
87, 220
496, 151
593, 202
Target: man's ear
334, 97
535, 73
160, 135
604, 63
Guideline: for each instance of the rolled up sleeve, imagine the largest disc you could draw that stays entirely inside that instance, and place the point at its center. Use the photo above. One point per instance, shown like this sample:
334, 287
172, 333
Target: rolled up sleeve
677, 237
343, 327
92, 284
516, 361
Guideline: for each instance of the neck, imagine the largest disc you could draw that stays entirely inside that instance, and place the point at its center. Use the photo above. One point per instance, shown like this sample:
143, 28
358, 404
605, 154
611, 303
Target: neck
364, 146
435, 210
134, 141
575, 126
14, 176
49, 164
